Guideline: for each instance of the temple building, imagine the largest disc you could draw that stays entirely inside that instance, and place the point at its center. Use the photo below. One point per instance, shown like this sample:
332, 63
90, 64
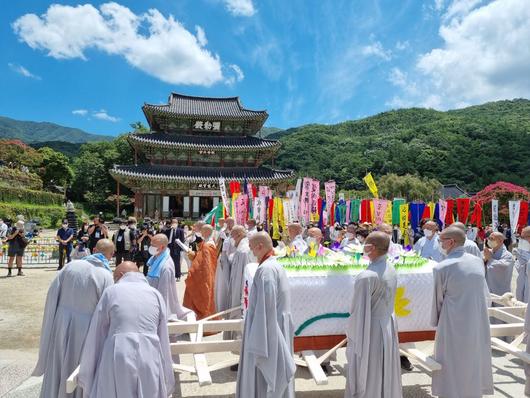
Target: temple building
192, 142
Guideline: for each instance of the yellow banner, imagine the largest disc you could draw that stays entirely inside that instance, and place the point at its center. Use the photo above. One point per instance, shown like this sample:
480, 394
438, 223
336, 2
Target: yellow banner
404, 221
277, 217
369, 181
388, 214
432, 207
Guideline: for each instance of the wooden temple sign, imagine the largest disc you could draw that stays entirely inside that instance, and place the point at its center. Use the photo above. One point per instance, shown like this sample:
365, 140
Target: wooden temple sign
204, 192
207, 125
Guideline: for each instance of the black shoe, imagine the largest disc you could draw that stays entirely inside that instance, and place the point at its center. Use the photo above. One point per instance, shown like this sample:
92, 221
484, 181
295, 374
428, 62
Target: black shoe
9, 273
20, 273
178, 278
59, 268
405, 363
234, 368
326, 367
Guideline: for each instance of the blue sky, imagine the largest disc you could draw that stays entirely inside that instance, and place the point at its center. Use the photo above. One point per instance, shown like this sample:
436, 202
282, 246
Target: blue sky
93, 64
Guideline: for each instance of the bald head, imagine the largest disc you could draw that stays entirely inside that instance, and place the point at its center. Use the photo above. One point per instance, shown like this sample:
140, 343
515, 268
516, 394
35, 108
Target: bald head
496, 240
123, 268
315, 233
294, 229
206, 231
387, 229
261, 244
525, 233
105, 247
455, 233
229, 223
459, 225
159, 241
238, 234
380, 241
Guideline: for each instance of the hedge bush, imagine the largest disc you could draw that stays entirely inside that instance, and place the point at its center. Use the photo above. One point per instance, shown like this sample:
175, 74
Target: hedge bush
29, 196
49, 216
18, 179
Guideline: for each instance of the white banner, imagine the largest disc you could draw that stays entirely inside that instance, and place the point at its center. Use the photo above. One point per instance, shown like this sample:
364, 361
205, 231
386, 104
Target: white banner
224, 197
515, 208
495, 214
442, 211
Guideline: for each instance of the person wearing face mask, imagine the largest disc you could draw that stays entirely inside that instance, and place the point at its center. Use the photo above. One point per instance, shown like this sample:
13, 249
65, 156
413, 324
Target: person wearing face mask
266, 366
429, 245
72, 298
314, 241
251, 227
3, 230
297, 245
124, 239
127, 352
460, 314
469, 245
98, 230
64, 237
161, 276
199, 294
350, 238
522, 265
499, 264
373, 367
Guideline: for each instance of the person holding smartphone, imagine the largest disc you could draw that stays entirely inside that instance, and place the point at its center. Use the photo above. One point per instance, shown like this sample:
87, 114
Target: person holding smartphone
17, 243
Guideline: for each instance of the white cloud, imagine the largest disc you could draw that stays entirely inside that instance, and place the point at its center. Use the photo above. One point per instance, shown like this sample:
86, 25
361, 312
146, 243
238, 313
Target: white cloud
80, 112
241, 8
439, 5
201, 36
237, 75
402, 45
103, 115
158, 45
484, 57
376, 49
22, 71
397, 77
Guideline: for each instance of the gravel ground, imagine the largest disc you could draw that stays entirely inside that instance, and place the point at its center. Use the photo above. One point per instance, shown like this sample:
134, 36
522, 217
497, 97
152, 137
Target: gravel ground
20, 322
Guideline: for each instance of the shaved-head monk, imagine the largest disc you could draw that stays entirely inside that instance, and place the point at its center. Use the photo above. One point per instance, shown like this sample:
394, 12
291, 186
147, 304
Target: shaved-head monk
499, 264
469, 246
266, 367
429, 245
199, 293
161, 276
373, 368
126, 352
460, 315
297, 244
72, 298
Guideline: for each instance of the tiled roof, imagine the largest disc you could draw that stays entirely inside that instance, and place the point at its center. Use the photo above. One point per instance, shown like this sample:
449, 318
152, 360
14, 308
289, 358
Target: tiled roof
453, 191
200, 174
219, 108
204, 142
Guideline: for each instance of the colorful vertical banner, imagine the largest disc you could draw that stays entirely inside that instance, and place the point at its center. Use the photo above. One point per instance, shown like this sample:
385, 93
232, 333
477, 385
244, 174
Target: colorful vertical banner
523, 216
476, 216
395, 210
388, 214
404, 221
263, 191
329, 187
370, 182
380, 206
241, 209
305, 200
315, 193
514, 206
224, 196
495, 214
462, 209
442, 212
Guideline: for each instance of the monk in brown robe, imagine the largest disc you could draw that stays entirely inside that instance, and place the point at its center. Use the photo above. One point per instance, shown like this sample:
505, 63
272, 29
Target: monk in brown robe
199, 293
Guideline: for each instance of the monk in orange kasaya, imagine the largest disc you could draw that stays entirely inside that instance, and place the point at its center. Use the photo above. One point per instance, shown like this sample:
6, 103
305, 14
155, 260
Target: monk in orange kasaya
199, 294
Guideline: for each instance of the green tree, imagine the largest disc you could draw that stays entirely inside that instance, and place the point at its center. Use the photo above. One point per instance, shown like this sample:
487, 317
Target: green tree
409, 187
55, 168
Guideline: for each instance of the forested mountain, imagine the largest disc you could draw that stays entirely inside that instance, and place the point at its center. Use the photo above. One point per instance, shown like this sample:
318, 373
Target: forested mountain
472, 147
44, 131
67, 148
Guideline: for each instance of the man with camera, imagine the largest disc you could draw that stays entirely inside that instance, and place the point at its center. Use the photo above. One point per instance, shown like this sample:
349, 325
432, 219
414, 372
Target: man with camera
97, 231
17, 243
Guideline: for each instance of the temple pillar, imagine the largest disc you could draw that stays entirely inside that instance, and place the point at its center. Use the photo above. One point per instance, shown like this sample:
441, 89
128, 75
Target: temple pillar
138, 204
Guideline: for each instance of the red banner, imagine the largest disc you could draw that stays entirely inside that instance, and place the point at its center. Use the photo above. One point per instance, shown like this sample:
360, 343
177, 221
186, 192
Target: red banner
462, 209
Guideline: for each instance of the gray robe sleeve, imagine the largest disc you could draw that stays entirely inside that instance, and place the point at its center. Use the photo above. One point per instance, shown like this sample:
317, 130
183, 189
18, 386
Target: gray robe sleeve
165, 349
50, 308
358, 334
274, 359
95, 339
521, 265
438, 297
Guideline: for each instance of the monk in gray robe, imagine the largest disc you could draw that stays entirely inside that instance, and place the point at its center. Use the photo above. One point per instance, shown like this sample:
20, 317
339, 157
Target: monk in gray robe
266, 367
469, 246
460, 313
428, 246
70, 303
161, 276
499, 264
126, 352
373, 368
522, 265
241, 258
222, 273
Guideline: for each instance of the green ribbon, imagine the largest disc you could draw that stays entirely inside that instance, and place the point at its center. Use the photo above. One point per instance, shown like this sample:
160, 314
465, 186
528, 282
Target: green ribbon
318, 318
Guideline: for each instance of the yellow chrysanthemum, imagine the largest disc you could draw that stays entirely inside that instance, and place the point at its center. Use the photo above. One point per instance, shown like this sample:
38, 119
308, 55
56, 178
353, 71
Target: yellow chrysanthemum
401, 302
